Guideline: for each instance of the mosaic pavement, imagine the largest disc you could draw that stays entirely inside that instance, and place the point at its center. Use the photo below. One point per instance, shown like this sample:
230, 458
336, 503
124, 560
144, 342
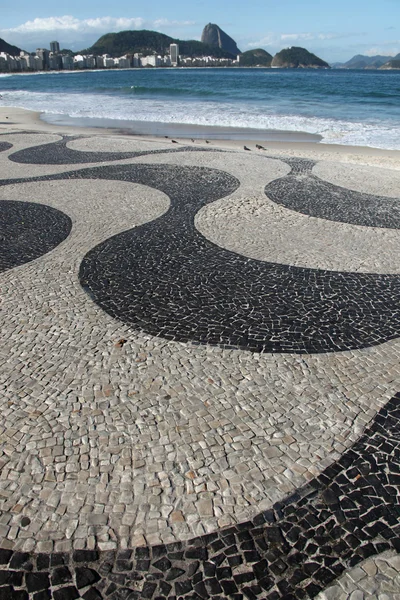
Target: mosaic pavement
200, 373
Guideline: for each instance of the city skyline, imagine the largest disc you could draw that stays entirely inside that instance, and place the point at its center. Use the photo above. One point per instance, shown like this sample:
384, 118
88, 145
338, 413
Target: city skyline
334, 35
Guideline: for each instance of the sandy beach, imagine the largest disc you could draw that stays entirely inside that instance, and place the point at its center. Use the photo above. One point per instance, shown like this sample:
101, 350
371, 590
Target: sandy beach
199, 367
14, 119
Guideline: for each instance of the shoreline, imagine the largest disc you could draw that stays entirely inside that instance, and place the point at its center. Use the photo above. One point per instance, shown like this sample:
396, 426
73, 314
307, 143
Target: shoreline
13, 119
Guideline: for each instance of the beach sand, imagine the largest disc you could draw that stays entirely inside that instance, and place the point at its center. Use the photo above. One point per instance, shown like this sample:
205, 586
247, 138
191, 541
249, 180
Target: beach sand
17, 119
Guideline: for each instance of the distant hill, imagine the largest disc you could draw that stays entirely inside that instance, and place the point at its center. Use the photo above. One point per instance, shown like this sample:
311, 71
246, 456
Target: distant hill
150, 42
9, 49
214, 36
393, 63
366, 62
296, 57
255, 58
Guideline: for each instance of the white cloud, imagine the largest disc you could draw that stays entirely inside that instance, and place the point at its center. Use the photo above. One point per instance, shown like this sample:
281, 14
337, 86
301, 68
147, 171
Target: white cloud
78, 33
271, 39
296, 37
382, 51
70, 23
168, 23
279, 39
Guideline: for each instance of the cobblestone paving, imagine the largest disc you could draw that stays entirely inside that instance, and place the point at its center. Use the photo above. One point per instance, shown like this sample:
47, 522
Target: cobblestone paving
304, 192
137, 466
5, 146
60, 153
377, 577
28, 231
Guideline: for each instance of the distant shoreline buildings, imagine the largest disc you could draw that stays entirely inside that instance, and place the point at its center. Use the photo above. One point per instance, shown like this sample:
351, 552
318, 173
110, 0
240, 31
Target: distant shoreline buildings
56, 60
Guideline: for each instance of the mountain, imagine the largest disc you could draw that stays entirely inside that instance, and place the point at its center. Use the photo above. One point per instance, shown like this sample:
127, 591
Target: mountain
366, 62
214, 36
393, 63
9, 49
255, 58
296, 57
149, 42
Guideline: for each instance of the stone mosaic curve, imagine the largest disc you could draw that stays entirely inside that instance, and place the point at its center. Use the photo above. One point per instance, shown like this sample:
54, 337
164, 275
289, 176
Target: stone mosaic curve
58, 153
5, 146
293, 551
304, 192
376, 577
29, 230
225, 298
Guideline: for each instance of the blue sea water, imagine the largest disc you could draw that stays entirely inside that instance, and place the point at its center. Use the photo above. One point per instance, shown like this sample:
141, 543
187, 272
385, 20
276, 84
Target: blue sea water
344, 107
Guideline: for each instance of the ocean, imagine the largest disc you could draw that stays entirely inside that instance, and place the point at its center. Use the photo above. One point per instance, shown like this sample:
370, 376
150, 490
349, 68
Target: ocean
333, 106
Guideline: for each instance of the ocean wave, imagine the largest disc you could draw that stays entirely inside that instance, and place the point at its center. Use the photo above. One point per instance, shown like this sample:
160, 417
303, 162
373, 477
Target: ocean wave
382, 134
161, 91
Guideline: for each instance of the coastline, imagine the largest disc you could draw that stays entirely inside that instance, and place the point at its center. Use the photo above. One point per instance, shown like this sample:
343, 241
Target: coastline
18, 119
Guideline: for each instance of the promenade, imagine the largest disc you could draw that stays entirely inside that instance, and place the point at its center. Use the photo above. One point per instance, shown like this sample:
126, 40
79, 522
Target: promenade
200, 372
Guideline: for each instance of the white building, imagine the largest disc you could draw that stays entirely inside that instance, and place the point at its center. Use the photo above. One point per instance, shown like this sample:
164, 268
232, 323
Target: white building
123, 62
150, 61
80, 61
108, 62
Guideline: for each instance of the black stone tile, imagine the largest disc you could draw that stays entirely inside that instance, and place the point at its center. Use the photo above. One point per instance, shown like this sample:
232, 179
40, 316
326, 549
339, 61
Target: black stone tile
92, 594
86, 556
66, 593
21, 560
85, 576
11, 578
61, 575
43, 595
28, 231
37, 581
5, 556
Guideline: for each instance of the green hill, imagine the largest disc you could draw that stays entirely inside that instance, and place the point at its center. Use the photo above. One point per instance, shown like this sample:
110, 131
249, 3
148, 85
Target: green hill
150, 42
9, 49
393, 63
295, 57
255, 58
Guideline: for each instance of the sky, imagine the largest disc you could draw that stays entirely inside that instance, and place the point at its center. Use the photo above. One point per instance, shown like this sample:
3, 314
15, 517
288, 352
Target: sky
335, 31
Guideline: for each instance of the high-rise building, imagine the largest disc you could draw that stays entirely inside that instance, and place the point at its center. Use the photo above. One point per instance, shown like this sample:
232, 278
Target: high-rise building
174, 53
43, 54
54, 47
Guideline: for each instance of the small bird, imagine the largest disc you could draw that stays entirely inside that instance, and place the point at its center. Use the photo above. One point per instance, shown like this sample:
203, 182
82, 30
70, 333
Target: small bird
192, 140
207, 142
166, 136
246, 148
259, 147
174, 141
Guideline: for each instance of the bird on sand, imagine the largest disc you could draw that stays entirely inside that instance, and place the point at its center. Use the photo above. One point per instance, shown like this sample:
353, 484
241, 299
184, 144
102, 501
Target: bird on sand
207, 142
259, 147
174, 141
246, 148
